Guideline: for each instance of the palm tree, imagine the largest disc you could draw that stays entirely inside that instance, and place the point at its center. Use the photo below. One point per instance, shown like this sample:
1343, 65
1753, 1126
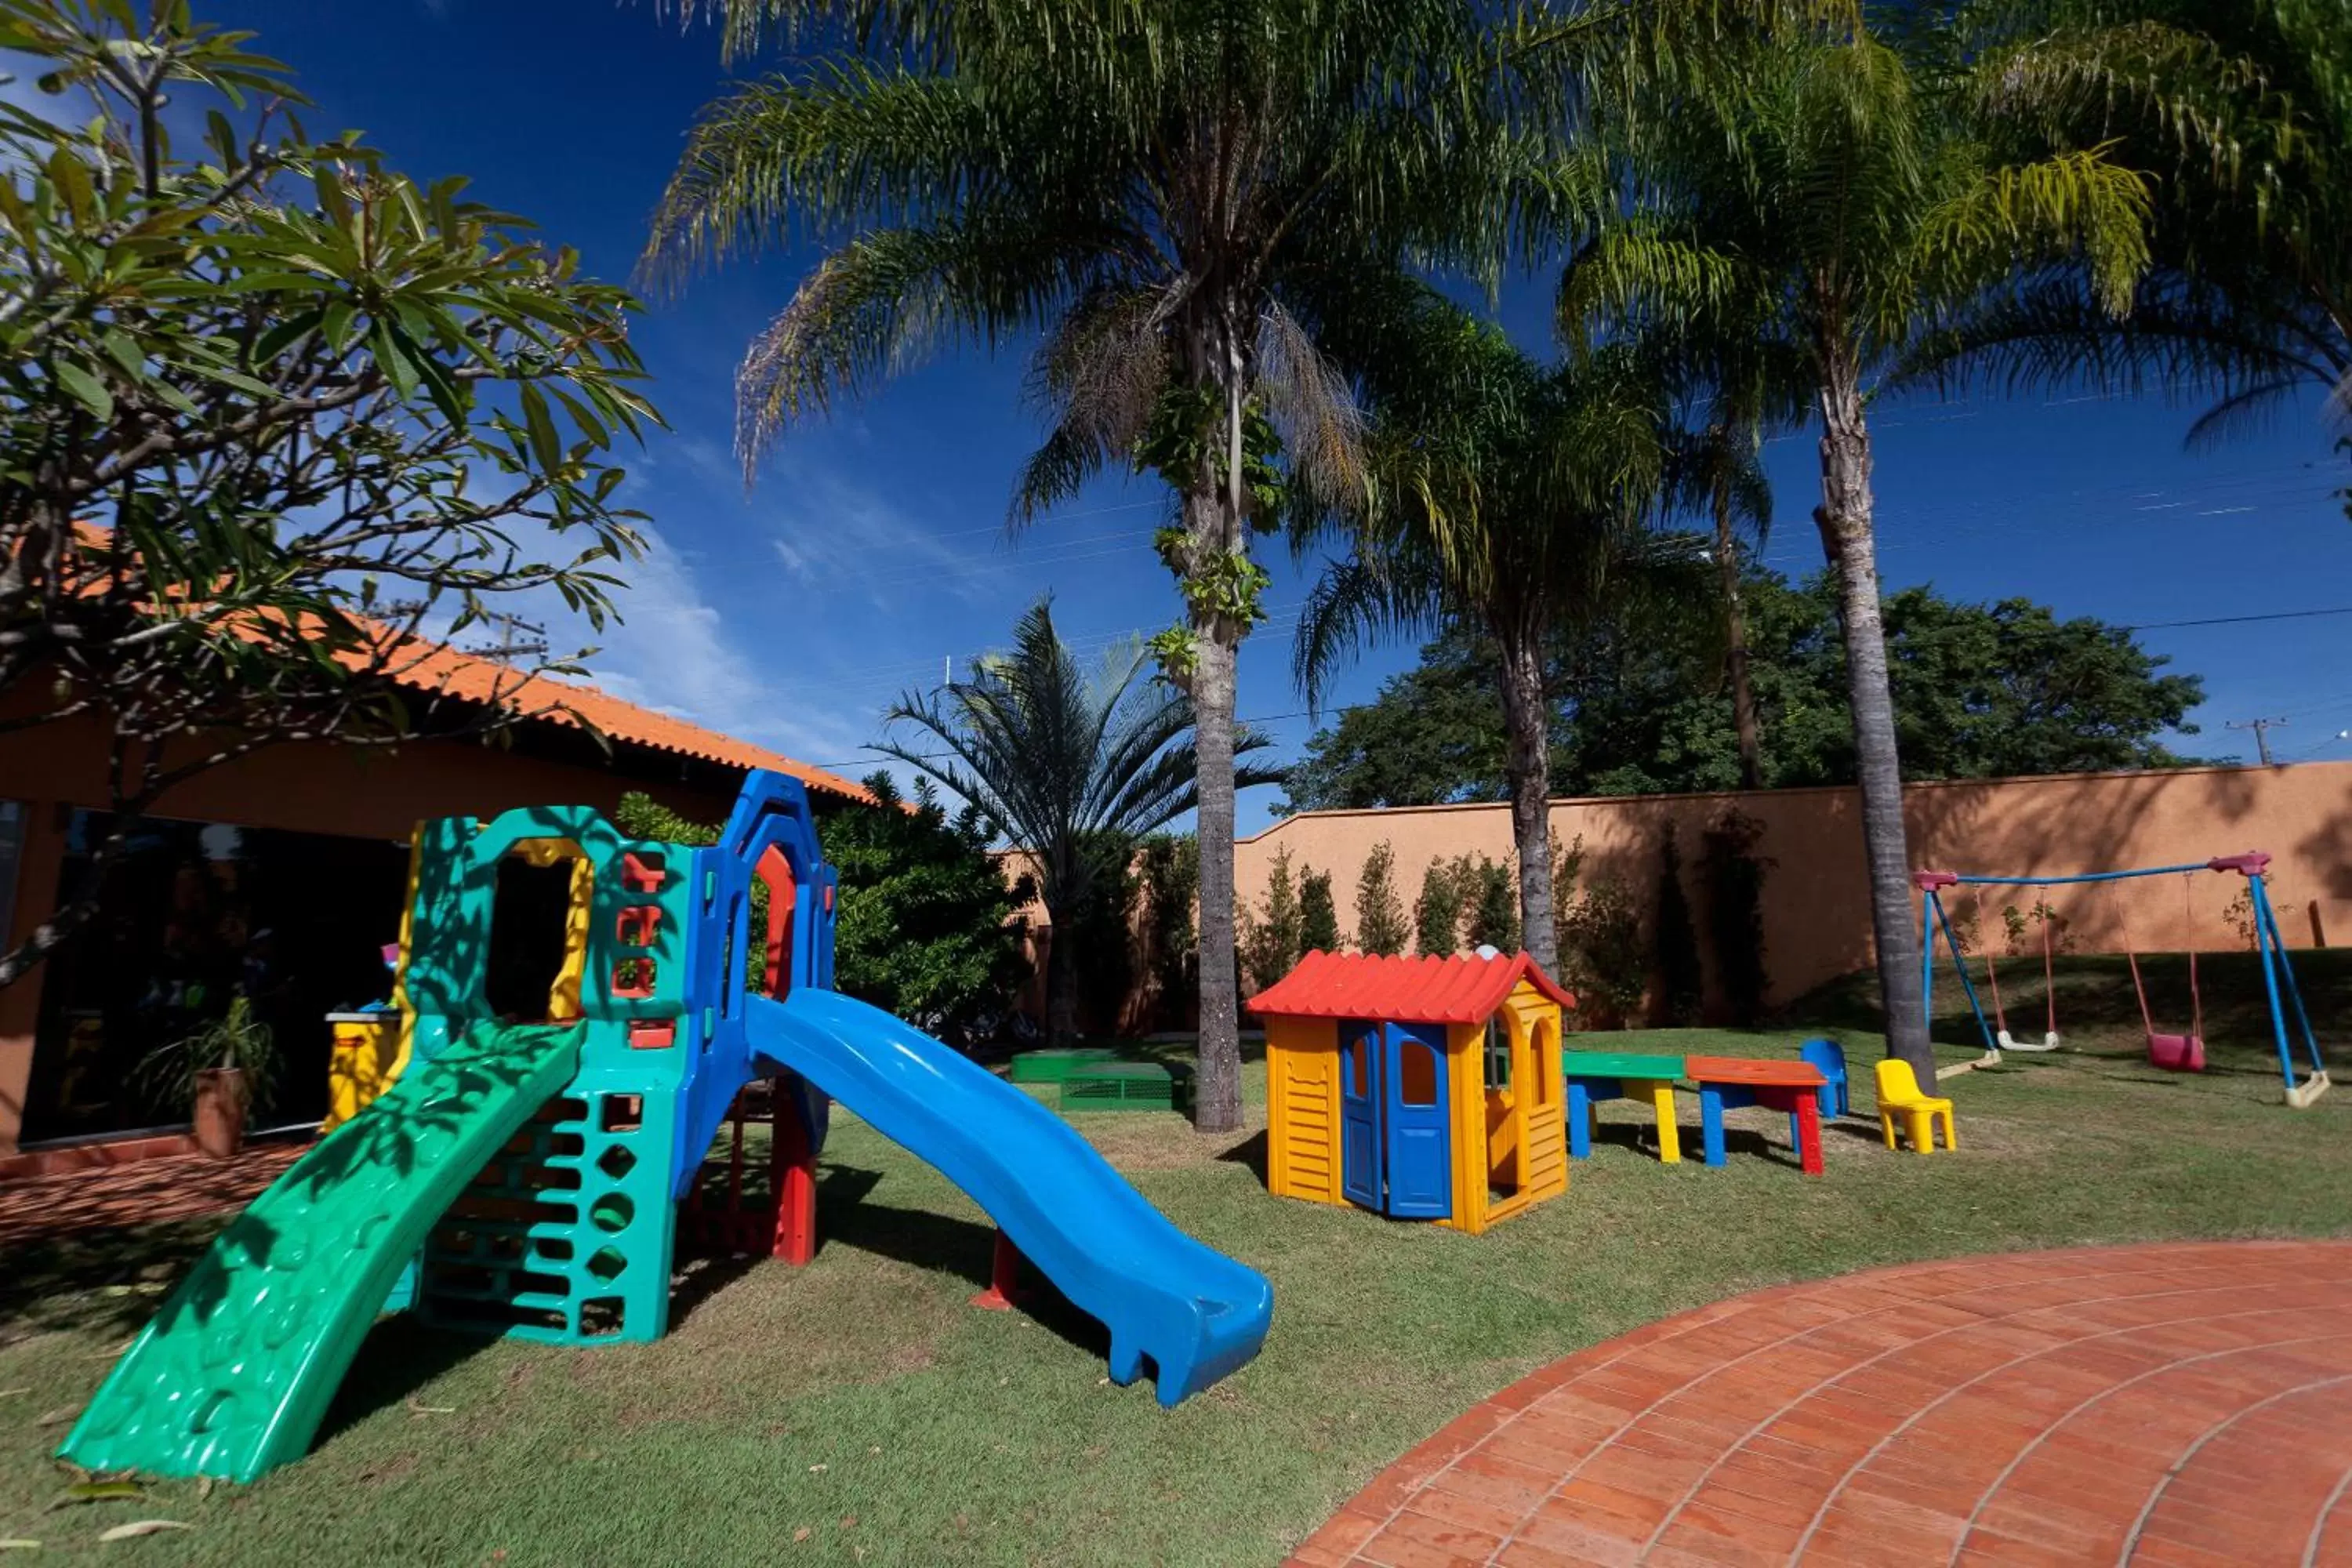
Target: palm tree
1739, 385
2244, 110
1070, 768
1509, 497
1149, 186
1827, 188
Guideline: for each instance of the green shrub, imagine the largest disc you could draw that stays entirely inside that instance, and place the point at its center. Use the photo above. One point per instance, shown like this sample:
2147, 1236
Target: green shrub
1379, 915
1318, 916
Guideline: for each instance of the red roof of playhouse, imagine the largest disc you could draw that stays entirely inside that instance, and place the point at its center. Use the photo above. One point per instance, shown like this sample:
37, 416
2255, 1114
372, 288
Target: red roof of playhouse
1466, 989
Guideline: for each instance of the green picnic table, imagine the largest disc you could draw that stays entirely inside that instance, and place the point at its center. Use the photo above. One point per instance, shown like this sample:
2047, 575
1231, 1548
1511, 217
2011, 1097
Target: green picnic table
1591, 1076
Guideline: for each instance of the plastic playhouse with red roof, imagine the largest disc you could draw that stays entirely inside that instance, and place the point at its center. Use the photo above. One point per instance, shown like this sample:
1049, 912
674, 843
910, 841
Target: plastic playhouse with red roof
1422, 1089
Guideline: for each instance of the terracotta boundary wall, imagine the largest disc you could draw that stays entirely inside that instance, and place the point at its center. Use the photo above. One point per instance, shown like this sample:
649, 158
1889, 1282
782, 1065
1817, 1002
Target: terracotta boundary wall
1816, 904
1816, 907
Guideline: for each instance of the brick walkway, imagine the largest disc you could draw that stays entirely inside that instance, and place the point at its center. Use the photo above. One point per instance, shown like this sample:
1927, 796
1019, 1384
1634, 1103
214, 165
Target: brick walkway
2180, 1405
177, 1186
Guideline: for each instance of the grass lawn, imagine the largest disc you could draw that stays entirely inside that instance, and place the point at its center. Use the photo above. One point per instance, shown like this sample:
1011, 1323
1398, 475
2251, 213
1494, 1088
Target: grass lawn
858, 1411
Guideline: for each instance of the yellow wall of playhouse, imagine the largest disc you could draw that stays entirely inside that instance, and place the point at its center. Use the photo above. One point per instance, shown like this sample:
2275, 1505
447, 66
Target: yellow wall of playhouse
1302, 1108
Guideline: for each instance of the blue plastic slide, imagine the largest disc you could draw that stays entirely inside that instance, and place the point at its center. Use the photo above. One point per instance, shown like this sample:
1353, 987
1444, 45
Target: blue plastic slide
1194, 1313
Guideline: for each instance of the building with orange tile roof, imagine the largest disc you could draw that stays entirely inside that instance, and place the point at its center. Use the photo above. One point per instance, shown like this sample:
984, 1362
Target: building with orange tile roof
286, 870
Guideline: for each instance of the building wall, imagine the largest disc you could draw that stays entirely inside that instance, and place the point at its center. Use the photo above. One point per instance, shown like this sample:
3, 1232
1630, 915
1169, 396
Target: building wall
1816, 897
357, 791
1816, 900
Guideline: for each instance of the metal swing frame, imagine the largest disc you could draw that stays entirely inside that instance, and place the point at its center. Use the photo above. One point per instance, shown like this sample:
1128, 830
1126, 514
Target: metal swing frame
2278, 974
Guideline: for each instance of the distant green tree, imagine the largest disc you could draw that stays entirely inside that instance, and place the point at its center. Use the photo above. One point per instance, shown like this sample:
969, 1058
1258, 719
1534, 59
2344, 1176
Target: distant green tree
924, 920
1437, 915
1491, 906
1381, 929
1980, 691
1318, 916
1169, 866
1273, 937
1068, 765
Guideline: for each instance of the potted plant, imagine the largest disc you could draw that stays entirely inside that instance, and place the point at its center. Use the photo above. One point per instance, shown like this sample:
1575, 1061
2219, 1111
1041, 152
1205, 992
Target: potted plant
222, 1073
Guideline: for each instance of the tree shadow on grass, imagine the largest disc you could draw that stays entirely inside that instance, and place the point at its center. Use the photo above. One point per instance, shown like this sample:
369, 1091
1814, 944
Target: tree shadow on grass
102, 1281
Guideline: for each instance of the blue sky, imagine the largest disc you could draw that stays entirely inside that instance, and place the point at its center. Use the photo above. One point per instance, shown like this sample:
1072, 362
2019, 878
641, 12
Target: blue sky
872, 548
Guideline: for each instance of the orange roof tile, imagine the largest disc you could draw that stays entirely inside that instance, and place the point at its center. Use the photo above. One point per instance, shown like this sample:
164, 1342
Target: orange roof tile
438, 667
1466, 989
441, 668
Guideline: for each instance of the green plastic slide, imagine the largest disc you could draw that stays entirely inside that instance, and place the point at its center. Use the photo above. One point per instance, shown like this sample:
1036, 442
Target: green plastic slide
234, 1375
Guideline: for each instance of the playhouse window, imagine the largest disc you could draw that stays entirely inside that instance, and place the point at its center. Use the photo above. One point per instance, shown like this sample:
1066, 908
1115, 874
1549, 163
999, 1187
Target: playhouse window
1498, 1054
1544, 1049
1418, 1077
1356, 1052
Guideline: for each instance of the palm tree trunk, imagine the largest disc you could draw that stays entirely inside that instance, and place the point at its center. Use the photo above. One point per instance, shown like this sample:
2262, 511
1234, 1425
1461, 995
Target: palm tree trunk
1217, 1104
1527, 764
1735, 633
1214, 519
1845, 522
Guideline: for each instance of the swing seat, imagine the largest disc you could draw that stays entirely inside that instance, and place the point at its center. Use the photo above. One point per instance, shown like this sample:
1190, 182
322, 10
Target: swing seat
2176, 1053
2311, 1089
2049, 1042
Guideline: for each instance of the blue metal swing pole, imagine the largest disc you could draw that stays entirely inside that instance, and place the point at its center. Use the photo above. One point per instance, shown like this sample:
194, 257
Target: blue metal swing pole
1961, 963
2266, 921
2264, 936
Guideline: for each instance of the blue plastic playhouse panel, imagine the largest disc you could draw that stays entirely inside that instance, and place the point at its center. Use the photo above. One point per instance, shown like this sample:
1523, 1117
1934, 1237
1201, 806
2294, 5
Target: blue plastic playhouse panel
1361, 1178
1417, 1147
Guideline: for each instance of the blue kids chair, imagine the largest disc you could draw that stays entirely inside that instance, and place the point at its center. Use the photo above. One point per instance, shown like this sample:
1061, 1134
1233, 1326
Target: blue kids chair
1825, 1055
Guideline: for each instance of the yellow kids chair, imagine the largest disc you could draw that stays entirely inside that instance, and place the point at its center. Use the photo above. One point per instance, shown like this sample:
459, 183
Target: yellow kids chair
1898, 1094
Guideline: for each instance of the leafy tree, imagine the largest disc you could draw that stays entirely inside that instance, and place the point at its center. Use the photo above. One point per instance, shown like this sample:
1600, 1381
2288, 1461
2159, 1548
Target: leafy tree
2244, 112
1604, 958
1319, 916
1071, 769
1101, 941
1437, 914
1155, 189
1381, 930
275, 421
1169, 866
1980, 691
1272, 940
1432, 736
1826, 186
1491, 906
1506, 497
925, 921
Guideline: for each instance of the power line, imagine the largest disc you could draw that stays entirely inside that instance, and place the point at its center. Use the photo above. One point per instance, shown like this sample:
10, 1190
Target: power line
2237, 620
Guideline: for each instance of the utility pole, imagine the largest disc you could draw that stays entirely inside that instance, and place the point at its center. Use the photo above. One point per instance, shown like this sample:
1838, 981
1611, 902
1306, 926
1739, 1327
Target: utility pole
2261, 729
519, 638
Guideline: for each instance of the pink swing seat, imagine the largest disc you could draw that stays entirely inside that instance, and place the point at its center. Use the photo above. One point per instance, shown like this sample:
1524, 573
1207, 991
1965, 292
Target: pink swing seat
2176, 1053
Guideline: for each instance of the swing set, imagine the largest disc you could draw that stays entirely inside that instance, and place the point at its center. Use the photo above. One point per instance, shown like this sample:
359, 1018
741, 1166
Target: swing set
2173, 1052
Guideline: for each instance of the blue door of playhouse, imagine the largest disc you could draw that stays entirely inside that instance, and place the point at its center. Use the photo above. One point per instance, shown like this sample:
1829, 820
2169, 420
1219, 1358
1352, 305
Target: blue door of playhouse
1419, 1172
1359, 1114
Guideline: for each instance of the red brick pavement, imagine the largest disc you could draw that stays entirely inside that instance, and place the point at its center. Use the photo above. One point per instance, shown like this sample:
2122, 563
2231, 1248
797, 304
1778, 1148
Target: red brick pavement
2173, 1405
178, 1187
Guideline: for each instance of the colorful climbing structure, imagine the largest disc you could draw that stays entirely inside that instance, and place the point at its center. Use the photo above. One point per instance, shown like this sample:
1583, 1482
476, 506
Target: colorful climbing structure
525, 1175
